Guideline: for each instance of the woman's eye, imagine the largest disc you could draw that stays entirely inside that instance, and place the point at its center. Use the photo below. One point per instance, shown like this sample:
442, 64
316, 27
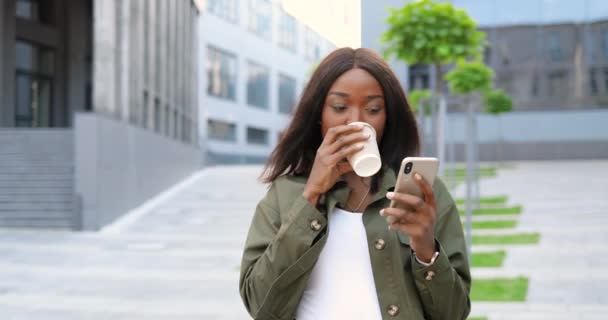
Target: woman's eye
339, 108
374, 110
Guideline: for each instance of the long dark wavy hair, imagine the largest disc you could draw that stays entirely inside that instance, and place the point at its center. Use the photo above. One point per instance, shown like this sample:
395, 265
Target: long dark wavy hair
296, 150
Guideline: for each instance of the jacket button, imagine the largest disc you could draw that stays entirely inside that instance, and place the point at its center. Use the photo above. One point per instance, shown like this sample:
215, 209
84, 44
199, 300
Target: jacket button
315, 225
392, 310
380, 244
429, 275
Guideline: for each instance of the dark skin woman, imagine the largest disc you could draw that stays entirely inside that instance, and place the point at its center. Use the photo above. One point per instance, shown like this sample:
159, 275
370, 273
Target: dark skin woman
310, 178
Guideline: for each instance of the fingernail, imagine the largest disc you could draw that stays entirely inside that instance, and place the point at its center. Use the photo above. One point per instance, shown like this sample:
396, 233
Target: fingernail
417, 176
360, 126
390, 195
382, 212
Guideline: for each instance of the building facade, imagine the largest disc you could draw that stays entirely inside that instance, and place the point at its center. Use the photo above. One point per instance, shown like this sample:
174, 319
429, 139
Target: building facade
549, 56
251, 76
98, 107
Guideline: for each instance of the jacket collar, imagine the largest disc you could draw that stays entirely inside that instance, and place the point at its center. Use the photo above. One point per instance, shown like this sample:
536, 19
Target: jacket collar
339, 194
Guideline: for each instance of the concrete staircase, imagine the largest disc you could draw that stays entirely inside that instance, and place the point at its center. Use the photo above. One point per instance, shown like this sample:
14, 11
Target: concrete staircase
36, 178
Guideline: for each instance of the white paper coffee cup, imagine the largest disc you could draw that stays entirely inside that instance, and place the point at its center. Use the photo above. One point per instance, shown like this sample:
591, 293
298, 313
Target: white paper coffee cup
366, 162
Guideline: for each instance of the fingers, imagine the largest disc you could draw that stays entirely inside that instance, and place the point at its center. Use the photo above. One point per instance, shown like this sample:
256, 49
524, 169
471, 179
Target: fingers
345, 152
395, 215
427, 190
346, 140
334, 133
407, 200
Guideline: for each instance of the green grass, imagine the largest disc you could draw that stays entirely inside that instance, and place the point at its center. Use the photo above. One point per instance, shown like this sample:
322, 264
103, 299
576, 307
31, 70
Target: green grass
522, 238
500, 289
486, 200
488, 259
461, 172
494, 211
497, 224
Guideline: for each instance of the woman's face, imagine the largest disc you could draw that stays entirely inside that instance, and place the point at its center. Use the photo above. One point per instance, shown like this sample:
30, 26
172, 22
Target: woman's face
354, 96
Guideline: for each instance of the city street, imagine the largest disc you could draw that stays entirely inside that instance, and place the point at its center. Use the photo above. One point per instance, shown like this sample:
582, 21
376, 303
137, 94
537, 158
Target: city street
177, 256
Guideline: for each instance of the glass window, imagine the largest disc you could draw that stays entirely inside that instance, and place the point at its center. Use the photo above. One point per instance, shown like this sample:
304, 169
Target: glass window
35, 10
260, 18
144, 119
221, 74
555, 50
592, 82
168, 121
287, 93
605, 43
535, 84
157, 115
225, 9
258, 79
31, 57
175, 124
257, 136
557, 83
606, 79
287, 31
221, 131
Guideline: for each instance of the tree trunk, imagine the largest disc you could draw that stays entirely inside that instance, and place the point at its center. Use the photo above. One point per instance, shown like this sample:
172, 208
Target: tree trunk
441, 119
469, 176
421, 126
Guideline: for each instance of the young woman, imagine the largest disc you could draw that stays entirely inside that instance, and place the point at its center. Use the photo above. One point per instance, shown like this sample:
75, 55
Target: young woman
323, 243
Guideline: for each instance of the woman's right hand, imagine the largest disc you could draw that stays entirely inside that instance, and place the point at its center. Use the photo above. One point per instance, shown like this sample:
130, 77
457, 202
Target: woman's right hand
330, 162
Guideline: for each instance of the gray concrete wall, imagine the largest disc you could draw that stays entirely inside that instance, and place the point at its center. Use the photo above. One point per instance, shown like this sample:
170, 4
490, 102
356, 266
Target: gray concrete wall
548, 135
146, 48
119, 166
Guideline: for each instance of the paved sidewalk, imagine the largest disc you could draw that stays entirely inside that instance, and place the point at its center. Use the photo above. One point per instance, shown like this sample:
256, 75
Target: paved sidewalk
567, 203
179, 259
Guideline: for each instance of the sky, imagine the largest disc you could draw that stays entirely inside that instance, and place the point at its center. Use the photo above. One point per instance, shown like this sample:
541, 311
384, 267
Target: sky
337, 20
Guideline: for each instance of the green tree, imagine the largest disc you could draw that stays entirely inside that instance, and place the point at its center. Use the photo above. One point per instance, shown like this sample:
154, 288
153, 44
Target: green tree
432, 33
470, 79
419, 98
497, 102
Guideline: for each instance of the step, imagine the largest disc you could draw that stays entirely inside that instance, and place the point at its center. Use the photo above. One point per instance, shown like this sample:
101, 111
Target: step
40, 206
36, 190
67, 167
31, 176
29, 184
36, 223
35, 198
37, 214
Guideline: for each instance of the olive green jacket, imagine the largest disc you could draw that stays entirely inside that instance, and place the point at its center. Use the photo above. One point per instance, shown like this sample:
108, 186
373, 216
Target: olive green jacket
288, 233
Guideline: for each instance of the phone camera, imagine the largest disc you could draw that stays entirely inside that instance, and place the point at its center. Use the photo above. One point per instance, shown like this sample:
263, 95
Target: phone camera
408, 167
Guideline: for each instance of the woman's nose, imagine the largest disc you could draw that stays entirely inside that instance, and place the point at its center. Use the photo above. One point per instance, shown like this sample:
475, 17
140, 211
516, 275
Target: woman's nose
354, 115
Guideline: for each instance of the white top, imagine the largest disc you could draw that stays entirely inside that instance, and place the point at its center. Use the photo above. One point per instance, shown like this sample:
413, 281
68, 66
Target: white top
341, 285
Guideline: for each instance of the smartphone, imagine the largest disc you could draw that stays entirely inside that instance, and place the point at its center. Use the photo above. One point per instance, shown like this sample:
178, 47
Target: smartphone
426, 167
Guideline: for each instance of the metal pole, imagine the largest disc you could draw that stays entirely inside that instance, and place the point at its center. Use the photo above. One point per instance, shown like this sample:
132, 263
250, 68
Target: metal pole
469, 175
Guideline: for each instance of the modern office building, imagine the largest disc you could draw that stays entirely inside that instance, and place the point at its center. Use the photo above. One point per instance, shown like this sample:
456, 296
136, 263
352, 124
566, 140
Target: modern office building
551, 57
252, 74
98, 107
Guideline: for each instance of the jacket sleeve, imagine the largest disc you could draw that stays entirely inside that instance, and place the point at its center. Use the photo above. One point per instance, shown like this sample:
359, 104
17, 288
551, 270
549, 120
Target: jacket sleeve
444, 286
280, 247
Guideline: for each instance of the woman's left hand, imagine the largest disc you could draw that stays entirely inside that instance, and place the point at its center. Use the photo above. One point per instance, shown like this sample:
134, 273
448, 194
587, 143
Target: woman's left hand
417, 221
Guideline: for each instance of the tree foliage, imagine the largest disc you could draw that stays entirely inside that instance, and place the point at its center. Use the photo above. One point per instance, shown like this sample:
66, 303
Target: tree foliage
497, 102
419, 98
467, 77
433, 33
